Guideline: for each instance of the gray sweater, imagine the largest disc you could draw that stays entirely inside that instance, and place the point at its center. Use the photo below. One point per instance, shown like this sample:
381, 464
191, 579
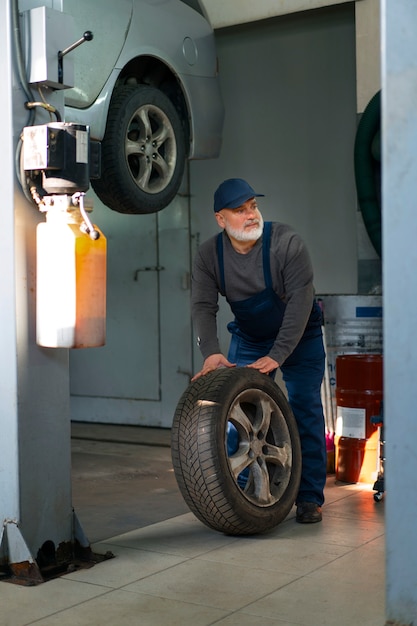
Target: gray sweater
292, 280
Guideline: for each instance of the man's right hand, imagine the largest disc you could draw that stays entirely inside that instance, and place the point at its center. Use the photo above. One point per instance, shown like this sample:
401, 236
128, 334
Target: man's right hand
213, 362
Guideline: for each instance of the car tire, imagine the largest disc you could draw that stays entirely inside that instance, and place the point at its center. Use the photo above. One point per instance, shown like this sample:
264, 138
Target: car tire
209, 475
143, 151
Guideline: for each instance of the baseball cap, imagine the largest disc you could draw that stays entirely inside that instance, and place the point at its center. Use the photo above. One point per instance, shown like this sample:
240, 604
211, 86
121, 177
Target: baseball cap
232, 193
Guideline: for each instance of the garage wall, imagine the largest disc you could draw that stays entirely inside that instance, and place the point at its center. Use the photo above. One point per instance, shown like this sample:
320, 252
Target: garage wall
221, 13
289, 89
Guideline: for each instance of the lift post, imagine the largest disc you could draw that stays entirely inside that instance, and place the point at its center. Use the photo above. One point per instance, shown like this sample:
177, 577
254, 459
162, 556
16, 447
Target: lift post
37, 521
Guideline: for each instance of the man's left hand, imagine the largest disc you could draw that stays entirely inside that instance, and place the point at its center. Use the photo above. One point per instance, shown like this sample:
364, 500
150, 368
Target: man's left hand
265, 365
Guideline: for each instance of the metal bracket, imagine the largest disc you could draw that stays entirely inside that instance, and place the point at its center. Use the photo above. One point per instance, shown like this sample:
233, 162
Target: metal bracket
21, 563
21, 567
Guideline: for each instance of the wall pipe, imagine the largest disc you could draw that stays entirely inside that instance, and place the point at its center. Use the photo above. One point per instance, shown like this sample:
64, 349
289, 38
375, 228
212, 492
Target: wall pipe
367, 161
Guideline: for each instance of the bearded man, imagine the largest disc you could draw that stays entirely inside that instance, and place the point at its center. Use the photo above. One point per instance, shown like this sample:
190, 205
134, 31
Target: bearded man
265, 273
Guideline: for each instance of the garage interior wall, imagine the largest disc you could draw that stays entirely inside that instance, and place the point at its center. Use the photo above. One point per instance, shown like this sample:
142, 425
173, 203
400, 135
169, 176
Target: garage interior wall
289, 86
289, 89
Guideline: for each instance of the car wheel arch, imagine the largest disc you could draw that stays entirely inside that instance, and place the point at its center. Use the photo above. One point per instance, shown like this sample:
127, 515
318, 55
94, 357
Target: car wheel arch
153, 72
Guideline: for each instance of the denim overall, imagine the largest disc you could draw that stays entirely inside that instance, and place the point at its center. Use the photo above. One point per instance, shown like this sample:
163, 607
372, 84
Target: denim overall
254, 330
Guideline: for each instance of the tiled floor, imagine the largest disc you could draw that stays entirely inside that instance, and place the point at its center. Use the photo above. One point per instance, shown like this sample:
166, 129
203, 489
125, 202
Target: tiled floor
178, 572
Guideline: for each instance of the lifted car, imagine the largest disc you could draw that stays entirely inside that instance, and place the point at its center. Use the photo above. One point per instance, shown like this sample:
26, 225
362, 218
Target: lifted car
148, 88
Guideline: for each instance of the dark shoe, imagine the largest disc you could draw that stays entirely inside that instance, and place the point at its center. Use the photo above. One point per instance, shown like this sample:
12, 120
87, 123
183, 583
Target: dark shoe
308, 513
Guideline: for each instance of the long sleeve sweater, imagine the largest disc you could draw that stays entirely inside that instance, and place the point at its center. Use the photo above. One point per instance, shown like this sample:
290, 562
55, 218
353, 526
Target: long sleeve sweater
292, 280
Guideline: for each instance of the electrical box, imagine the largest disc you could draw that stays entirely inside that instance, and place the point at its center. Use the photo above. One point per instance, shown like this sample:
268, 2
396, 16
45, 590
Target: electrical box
43, 148
64, 154
49, 33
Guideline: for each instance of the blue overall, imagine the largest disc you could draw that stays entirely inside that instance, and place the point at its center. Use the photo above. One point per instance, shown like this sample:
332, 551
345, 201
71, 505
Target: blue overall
254, 331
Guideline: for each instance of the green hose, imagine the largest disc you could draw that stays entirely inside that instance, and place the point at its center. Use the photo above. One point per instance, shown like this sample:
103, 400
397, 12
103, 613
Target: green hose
367, 159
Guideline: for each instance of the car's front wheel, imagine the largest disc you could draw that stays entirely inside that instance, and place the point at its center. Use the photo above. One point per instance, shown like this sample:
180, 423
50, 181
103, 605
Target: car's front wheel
143, 151
236, 451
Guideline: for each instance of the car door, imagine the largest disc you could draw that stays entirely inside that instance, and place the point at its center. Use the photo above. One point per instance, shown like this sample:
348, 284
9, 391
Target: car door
109, 28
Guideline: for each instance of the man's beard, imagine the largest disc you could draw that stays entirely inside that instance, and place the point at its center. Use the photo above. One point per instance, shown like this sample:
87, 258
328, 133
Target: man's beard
246, 235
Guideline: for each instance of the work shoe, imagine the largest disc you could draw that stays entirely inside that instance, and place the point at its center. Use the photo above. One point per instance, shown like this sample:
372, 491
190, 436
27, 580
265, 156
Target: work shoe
308, 513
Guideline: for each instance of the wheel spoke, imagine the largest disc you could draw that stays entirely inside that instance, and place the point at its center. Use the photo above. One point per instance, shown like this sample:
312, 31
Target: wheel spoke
134, 147
161, 166
144, 121
159, 136
278, 455
261, 483
239, 462
239, 419
263, 415
144, 173
138, 133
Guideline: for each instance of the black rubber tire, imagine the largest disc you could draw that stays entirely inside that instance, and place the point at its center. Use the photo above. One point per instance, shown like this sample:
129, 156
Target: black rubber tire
143, 151
269, 446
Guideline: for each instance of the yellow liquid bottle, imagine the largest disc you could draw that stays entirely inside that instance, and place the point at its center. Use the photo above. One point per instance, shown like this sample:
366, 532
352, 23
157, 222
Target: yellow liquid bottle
70, 283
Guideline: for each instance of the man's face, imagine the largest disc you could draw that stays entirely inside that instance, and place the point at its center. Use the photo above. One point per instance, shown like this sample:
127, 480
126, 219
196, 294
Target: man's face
244, 223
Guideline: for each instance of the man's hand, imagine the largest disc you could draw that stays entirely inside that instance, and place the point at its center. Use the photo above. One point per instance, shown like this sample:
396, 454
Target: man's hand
265, 365
213, 362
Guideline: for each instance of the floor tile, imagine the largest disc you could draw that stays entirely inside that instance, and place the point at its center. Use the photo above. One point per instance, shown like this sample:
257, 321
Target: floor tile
359, 505
243, 619
187, 539
128, 565
117, 487
23, 605
121, 608
348, 591
306, 604
220, 585
341, 531
277, 554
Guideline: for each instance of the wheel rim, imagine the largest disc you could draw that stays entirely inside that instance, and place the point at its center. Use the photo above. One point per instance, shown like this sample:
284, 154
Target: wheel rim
259, 452
151, 149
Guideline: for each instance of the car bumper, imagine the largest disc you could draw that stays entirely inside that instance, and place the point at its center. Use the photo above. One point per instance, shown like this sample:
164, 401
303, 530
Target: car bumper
206, 109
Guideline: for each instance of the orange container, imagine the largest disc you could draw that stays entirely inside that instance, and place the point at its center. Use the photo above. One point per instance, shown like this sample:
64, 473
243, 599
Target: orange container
359, 389
71, 283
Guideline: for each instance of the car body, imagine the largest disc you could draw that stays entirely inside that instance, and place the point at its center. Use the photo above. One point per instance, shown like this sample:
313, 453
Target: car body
166, 48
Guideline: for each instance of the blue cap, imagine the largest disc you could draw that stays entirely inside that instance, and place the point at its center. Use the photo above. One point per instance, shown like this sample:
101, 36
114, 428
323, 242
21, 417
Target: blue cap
232, 193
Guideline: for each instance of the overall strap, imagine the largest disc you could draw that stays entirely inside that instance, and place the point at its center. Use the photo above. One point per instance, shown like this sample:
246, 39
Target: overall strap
221, 261
266, 244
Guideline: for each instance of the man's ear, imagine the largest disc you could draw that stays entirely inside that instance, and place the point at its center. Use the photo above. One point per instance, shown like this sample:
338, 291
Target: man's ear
220, 219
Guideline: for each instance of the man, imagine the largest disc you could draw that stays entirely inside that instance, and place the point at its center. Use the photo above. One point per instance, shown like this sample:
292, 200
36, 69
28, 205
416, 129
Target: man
265, 273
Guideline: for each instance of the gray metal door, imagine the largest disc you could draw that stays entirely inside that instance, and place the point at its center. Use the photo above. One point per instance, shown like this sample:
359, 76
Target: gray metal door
137, 377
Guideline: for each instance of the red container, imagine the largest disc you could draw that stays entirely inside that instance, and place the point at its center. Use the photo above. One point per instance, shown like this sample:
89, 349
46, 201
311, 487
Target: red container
359, 389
